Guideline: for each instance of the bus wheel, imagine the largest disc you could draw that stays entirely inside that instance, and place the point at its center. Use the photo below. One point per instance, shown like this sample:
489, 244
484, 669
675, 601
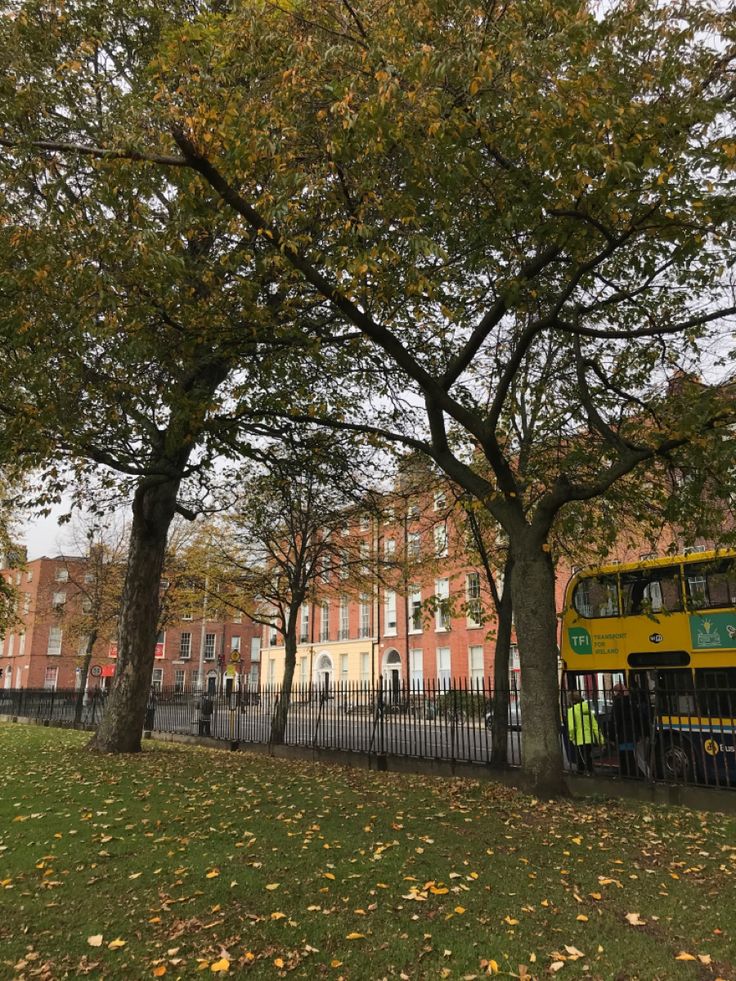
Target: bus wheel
676, 761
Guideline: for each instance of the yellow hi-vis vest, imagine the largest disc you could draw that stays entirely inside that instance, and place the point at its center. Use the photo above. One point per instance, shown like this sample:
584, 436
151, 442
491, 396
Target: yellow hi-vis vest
582, 726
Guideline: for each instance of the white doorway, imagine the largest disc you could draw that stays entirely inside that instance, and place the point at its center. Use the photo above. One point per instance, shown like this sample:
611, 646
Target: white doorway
324, 672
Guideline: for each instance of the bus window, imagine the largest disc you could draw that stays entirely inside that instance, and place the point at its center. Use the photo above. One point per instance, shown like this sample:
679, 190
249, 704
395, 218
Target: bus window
596, 597
675, 693
716, 692
711, 585
651, 591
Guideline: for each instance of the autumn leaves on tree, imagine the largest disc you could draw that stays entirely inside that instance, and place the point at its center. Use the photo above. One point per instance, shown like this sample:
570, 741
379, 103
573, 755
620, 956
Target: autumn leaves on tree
424, 209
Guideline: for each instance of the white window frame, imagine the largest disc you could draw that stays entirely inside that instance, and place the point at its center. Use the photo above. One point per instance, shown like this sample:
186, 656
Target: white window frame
344, 633
61, 575
365, 667
390, 623
440, 500
56, 635
210, 646
442, 592
473, 600
476, 672
365, 617
304, 623
59, 599
51, 677
416, 625
416, 668
185, 649
414, 544
444, 666
441, 541
324, 621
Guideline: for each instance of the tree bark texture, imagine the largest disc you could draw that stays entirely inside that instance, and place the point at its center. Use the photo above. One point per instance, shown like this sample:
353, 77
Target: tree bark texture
281, 709
533, 595
121, 728
505, 616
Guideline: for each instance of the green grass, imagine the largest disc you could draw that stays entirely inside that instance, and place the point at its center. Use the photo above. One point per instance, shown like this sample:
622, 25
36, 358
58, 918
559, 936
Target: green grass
174, 851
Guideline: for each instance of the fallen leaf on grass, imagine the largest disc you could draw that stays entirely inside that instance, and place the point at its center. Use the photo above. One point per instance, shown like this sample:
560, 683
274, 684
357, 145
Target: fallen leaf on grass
272, 885
684, 956
116, 944
335, 963
355, 936
556, 966
635, 920
95, 940
213, 874
278, 962
220, 967
278, 916
582, 918
158, 972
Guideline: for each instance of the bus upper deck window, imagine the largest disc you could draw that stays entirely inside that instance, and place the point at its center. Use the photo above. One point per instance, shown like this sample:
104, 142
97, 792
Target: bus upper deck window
711, 585
650, 591
597, 597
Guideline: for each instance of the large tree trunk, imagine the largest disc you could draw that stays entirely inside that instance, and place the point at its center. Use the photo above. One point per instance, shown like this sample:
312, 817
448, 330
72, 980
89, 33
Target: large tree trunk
281, 709
505, 617
533, 595
121, 728
83, 673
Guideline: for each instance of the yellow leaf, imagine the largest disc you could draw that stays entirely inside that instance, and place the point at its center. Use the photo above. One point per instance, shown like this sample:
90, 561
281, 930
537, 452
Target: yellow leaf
355, 936
249, 956
705, 958
582, 917
635, 920
510, 920
158, 972
155, 919
329, 875
95, 940
213, 874
278, 962
135, 875
278, 916
460, 910
595, 895
272, 885
438, 890
335, 963
220, 967
556, 966
684, 956
116, 944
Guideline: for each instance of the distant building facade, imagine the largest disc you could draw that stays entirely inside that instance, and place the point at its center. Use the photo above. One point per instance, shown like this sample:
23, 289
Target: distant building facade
42, 650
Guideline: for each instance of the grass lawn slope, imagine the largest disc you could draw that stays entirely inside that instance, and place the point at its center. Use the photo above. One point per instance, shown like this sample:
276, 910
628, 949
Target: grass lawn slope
185, 862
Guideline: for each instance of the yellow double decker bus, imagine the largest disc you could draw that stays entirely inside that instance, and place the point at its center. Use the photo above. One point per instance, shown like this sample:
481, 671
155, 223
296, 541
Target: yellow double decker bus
667, 628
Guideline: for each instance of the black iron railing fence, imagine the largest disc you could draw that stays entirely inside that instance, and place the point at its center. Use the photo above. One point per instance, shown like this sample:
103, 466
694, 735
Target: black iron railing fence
662, 733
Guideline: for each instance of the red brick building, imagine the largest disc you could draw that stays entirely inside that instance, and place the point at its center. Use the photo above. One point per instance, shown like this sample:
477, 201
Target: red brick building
44, 649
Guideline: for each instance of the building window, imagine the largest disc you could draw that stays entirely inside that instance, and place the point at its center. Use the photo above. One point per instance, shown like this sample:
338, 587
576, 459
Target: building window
365, 667
365, 617
50, 677
237, 617
324, 620
389, 516
472, 593
271, 671
62, 575
412, 512
185, 646
273, 636
187, 615
59, 599
365, 522
326, 566
442, 594
86, 605
54, 645
26, 603
475, 665
440, 501
235, 642
11, 643
157, 679
303, 661
89, 577
209, 647
390, 612
179, 678
29, 575
344, 669
414, 544
21, 644
344, 618
415, 610
389, 549
440, 541
443, 666
416, 667
514, 667
304, 631
344, 565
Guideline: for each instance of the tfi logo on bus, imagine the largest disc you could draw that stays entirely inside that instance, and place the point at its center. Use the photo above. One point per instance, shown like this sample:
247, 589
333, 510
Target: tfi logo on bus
656, 638
580, 640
